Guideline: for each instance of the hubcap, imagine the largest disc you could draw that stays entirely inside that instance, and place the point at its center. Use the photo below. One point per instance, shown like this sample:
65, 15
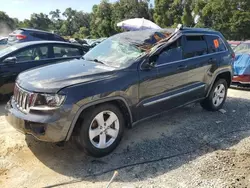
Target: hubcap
104, 129
219, 95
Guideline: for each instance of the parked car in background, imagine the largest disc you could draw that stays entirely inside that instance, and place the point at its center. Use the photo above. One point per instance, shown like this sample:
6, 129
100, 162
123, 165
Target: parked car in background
3, 40
234, 44
26, 35
20, 57
128, 77
94, 42
242, 65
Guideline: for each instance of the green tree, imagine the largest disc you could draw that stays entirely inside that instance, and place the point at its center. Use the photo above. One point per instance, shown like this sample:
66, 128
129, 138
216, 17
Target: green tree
126, 9
240, 28
161, 15
168, 13
82, 33
68, 24
101, 20
24, 24
7, 24
56, 20
187, 18
228, 16
40, 21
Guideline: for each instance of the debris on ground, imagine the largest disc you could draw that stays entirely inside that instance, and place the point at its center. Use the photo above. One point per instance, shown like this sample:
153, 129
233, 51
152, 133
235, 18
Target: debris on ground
222, 111
217, 122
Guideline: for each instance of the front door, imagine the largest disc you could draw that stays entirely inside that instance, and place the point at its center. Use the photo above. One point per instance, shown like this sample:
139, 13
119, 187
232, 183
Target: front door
165, 89
25, 59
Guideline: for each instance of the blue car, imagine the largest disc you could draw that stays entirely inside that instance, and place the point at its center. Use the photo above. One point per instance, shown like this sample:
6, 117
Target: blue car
27, 35
242, 65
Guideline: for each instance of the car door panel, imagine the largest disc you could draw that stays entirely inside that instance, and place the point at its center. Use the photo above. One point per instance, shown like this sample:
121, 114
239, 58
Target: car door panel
199, 62
167, 84
9, 71
147, 89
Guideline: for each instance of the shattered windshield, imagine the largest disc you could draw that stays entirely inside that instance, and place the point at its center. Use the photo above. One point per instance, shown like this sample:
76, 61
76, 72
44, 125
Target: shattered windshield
7, 50
114, 52
123, 49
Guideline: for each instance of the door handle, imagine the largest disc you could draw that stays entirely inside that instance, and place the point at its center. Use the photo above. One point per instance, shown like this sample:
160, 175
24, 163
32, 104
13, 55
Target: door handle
181, 67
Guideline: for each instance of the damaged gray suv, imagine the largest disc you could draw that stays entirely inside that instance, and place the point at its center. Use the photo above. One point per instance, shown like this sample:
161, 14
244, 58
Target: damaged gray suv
127, 78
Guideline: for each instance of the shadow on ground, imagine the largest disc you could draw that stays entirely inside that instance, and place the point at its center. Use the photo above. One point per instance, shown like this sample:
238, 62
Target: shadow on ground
178, 136
2, 106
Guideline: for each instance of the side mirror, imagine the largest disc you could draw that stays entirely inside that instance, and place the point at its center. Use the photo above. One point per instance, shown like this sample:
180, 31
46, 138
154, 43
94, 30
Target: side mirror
150, 62
10, 60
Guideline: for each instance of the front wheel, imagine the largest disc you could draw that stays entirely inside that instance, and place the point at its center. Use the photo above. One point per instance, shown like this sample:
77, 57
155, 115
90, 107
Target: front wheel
101, 130
216, 97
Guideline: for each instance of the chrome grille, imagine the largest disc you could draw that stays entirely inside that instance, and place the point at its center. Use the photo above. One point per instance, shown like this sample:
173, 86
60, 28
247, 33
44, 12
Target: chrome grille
22, 98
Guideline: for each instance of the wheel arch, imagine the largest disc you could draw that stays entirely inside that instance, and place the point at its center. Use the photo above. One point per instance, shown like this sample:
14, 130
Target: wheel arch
226, 74
120, 102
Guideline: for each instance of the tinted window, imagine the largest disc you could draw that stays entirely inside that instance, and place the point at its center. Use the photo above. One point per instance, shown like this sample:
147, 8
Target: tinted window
58, 38
32, 54
40, 36
195, 46
215, 44
65, 51
172, 53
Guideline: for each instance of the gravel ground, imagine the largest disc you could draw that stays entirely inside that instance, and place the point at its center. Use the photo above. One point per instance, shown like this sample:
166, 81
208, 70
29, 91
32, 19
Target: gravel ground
187, 147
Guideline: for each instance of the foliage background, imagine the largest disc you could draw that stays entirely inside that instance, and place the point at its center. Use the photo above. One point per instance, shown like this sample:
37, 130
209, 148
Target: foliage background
231, 17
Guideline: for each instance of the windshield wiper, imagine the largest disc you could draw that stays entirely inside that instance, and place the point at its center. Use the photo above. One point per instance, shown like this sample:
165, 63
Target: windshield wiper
96, 60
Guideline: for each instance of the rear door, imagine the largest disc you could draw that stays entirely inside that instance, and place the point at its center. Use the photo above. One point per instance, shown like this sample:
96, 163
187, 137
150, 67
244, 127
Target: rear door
199, 62
26, 58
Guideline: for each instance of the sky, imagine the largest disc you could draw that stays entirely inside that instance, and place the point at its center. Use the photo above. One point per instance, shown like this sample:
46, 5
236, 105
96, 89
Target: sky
22, 9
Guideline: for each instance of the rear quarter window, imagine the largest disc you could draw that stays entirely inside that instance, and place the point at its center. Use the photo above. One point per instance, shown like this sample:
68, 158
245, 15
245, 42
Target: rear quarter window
58, 38
40, 36
215, 44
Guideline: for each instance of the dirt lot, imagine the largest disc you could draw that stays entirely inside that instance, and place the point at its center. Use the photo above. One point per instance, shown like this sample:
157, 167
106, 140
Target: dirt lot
188, 147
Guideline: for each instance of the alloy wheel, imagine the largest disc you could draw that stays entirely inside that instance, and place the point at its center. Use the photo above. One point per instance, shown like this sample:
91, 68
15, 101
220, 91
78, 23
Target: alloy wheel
104, 129
219, 95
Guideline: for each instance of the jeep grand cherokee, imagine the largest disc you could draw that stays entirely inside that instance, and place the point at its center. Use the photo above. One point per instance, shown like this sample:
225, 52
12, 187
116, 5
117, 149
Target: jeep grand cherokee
127, 78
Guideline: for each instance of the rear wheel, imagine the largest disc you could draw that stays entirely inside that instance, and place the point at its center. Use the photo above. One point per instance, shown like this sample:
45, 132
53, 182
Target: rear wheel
101, 130
216, 97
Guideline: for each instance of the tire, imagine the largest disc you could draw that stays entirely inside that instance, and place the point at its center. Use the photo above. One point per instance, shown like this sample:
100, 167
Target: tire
209, 103
86, 137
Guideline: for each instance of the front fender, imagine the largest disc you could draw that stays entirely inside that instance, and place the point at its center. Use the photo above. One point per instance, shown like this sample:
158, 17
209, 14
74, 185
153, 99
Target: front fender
84, 104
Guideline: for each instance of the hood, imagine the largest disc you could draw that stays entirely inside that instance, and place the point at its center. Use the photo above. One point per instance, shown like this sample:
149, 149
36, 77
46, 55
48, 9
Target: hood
52, 78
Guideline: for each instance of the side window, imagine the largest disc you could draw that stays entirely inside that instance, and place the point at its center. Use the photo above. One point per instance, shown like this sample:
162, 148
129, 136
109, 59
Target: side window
40, 36
171, 53
195, 46
215, 44
32, 54
65, 51
58, 38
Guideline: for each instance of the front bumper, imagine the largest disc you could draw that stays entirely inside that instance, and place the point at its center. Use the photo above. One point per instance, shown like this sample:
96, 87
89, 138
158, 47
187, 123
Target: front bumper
50, 126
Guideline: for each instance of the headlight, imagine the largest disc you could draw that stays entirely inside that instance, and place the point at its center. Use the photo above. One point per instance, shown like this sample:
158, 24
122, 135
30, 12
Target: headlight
47, 101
